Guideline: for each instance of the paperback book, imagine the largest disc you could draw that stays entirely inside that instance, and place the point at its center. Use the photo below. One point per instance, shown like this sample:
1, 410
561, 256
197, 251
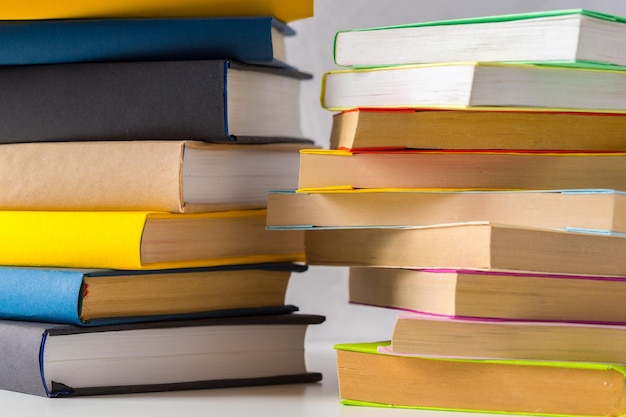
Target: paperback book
491, 294
472, 245
478, 338
462, 169
369, 377
560, 37
477, 85
598, 210
487, 130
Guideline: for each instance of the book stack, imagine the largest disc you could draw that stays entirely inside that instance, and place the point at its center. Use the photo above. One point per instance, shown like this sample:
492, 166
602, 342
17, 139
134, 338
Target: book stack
475, 183
139, 140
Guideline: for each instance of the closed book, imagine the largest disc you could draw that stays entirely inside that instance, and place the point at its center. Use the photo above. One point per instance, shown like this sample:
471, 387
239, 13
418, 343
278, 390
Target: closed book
142, 240
470, 245
458, 129
72, 9
474, 338
477, 85
491, 294
368, 377
209, 100
97, 297
59, 360
254, 40
557, 36
581, 209
173, 176
462, 169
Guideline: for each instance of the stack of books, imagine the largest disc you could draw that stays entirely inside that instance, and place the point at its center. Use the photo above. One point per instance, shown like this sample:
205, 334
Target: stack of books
139, 140
475, 183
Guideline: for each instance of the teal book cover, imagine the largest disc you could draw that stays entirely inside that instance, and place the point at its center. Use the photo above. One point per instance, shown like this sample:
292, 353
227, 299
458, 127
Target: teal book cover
252, 40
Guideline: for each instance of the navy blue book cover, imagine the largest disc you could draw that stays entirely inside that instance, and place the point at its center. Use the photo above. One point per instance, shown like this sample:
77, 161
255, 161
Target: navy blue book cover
244, 39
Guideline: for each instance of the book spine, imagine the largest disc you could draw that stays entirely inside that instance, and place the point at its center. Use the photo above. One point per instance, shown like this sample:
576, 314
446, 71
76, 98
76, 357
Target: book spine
113, 100
20, 351
72, 239
53, 41
285, 11
134, 175
40, 295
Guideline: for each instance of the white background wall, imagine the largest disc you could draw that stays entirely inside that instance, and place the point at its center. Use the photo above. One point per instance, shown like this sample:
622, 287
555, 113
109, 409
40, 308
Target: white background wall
323, 290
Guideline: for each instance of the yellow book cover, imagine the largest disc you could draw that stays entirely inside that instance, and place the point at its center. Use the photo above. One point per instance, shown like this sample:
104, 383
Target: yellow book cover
142, 240
72, 9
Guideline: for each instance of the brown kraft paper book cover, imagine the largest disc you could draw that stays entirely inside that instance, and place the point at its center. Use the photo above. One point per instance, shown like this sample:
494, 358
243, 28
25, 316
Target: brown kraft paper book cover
172, 176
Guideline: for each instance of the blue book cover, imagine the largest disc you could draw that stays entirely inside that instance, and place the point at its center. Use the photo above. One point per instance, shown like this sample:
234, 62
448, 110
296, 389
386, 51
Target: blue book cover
104, 297
252, 40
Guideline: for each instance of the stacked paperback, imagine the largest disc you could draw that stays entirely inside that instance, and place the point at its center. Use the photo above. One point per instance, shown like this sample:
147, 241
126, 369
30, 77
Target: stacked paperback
138, 144
475, 183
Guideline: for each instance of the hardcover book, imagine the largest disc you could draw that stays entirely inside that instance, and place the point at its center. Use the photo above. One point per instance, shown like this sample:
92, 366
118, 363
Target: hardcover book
137, 240
558, 36
56, 360
478, 85
209, 100
253, 40
491, 294
173, 176
97, 297
462, 169
600, 210
72, 9
368, 377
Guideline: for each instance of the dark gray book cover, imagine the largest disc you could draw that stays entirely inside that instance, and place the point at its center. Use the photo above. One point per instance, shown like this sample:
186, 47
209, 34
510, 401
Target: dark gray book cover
23, 344
157, 100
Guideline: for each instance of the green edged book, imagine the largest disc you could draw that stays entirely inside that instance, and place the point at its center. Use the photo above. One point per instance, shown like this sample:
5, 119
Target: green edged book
478, 85
559, 36
370, 377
